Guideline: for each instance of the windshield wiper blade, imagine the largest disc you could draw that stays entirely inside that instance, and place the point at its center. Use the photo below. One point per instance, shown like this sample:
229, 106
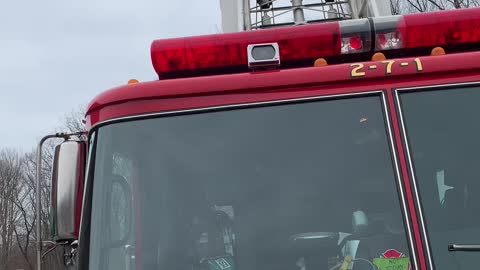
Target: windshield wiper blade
456, 247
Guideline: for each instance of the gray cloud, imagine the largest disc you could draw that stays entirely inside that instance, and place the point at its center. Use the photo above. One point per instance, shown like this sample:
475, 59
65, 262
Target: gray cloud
56, 55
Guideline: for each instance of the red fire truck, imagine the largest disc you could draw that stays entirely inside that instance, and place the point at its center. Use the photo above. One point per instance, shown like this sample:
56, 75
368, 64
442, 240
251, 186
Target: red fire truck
340, 145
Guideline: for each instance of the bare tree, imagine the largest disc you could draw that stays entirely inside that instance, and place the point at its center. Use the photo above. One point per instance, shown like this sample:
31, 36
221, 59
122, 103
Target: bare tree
74, 122
10, 179
25, 229
417, 6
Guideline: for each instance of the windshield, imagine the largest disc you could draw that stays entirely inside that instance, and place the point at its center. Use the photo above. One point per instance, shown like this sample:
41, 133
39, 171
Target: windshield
291, 186
444, 131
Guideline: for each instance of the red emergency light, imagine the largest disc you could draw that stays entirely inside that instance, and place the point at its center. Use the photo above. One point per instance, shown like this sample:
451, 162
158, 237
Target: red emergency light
228, 52
427, 30
302, 45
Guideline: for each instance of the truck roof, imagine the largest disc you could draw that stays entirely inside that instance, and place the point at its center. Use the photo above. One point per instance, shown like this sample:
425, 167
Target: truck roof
210, 91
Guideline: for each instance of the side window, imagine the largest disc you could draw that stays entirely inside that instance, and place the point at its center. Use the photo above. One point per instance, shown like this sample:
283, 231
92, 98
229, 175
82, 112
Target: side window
443, 132
112, 219
121, 211
121, 194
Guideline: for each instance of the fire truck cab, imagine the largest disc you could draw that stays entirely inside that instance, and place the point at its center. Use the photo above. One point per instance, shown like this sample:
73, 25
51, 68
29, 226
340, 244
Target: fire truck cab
341, 145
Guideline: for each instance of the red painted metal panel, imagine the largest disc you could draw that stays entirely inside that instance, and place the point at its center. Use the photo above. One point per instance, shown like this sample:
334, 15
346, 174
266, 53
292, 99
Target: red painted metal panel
406, 180
249, 87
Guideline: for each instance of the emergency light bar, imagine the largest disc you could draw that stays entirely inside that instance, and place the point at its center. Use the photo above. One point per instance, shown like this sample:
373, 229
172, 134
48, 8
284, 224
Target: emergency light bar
445, 28
302, 45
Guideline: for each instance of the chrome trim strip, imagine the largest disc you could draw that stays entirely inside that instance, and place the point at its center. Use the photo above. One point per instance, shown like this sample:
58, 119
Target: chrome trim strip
399, 181
409, 156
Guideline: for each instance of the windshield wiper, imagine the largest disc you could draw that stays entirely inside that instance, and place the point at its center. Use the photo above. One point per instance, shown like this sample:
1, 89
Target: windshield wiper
455, 247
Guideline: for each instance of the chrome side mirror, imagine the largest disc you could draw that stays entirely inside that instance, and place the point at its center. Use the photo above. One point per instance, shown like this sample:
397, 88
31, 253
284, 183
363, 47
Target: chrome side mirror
67, 189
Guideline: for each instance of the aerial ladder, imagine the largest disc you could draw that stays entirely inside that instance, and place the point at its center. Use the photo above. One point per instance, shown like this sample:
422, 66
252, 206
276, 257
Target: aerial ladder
245, 15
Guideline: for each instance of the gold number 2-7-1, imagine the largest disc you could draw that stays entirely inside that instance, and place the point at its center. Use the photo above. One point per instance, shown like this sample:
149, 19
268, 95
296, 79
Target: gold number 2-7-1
356, 70
388, 69
359, 71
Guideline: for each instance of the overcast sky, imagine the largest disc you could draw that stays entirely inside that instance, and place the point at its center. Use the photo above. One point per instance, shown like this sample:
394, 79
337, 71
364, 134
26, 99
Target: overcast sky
56, 55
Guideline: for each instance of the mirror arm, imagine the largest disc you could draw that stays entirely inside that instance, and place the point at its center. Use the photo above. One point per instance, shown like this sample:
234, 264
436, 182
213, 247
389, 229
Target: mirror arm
65, 136
55, 245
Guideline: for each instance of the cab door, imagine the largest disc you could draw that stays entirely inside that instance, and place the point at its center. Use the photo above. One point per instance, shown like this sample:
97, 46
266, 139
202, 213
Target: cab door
441, 138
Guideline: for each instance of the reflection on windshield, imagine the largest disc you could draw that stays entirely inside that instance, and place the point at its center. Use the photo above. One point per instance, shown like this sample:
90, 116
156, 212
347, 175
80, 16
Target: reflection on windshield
444, 132
294, 187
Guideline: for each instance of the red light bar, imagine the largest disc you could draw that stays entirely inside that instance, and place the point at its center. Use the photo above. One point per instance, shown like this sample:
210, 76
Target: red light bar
224, 53
414, 31
442, 28
302, 45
